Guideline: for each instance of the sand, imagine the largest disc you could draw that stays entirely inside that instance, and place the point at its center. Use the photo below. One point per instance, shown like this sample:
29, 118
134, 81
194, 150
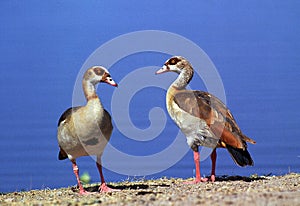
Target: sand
233, 190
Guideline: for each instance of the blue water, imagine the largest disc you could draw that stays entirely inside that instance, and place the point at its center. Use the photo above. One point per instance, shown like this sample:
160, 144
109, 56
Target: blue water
254, 46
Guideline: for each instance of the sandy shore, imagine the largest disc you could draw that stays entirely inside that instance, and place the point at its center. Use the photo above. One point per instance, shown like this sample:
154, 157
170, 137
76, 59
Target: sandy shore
233, 190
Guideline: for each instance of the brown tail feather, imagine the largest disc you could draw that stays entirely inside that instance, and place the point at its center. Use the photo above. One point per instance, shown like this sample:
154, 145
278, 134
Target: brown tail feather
247, 139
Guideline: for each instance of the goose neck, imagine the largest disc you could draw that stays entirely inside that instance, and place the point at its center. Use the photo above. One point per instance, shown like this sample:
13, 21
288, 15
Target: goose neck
89, 90
183, 78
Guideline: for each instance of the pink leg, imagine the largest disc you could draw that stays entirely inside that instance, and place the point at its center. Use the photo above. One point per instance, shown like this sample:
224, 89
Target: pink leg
198, 175
103, 187
213, 157
76, 172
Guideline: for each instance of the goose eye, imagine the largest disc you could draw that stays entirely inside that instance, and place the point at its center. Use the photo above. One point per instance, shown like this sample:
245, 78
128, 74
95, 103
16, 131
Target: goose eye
173, 61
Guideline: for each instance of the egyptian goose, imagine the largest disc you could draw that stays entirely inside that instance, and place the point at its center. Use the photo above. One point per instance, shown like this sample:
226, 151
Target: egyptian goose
85, 130
203, 119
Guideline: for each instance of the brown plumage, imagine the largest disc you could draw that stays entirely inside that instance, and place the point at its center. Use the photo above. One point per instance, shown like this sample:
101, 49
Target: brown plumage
203, 118
85, 130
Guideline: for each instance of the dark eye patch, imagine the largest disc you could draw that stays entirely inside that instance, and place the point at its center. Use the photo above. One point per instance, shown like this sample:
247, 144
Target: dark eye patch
104, 76
173, 61
98, 71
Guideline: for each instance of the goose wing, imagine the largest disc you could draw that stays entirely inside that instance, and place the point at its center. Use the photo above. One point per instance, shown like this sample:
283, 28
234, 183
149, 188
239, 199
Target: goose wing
216, 115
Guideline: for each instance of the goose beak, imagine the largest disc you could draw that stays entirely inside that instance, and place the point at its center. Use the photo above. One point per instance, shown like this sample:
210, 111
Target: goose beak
114, 84
111, 82
162, 70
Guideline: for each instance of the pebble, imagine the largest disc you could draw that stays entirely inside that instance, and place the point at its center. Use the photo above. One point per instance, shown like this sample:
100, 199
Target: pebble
254, 190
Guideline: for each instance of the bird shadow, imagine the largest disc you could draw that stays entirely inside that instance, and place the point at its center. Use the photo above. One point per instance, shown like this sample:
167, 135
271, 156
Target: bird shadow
143, 187
127, 186
226, 178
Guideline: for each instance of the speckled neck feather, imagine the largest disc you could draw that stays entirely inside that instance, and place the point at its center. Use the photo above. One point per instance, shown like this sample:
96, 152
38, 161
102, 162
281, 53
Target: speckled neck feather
89, 90
184, 77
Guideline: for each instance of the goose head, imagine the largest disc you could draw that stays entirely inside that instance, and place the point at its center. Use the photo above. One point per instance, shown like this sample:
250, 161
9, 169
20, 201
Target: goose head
174, 64
180, 66
97, 74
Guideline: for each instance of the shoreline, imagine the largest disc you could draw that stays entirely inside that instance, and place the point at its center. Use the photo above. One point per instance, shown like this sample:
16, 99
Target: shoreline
227, 190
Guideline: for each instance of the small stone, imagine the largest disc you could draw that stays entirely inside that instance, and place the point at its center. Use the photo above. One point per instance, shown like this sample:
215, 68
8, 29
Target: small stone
9, 199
